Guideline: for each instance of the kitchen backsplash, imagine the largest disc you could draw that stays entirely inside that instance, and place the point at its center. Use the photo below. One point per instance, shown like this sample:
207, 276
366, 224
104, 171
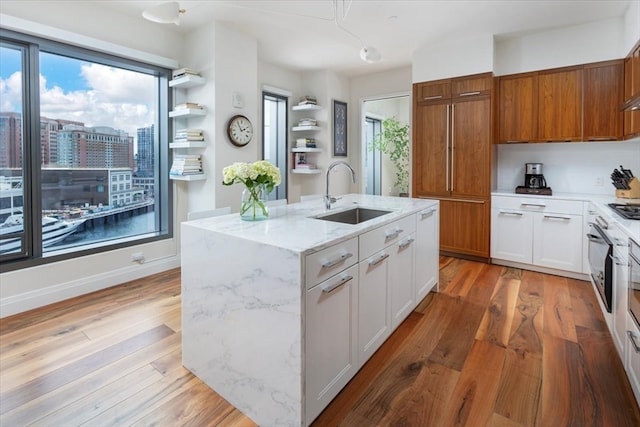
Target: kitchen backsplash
569, 167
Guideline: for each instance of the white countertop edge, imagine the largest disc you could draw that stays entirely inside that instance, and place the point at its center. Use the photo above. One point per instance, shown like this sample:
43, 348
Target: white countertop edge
292, 227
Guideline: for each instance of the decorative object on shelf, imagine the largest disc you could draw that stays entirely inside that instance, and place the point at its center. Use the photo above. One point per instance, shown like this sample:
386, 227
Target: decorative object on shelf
307, 100
339, 128
186, 164
259, 179
164, 13
394, 142
239, 130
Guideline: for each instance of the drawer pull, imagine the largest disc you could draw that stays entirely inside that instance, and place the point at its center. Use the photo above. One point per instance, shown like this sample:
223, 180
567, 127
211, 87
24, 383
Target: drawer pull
535, 205
470, 93
424, 215
617, 261
428, 98
564, 218
511, 213
393, 234
633, 341
377, 261
406, 243
336, 285
337, 261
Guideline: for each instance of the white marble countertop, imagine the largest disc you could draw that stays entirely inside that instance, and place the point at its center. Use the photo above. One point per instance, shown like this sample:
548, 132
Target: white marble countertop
294, 227
630, 227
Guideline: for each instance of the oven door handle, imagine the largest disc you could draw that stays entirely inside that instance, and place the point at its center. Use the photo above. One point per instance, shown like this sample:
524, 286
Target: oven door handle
595, 239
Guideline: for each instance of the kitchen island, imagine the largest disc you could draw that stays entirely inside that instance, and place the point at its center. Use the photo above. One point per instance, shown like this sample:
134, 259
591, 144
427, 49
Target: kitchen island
278, 315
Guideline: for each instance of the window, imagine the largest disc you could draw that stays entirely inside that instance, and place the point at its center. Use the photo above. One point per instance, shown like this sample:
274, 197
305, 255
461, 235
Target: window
69, 120
274, 137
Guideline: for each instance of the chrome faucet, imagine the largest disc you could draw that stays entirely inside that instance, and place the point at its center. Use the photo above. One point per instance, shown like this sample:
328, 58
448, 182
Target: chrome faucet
327, 198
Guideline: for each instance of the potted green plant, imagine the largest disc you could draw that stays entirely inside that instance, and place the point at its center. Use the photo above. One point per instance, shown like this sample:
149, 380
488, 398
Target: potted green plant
394, 142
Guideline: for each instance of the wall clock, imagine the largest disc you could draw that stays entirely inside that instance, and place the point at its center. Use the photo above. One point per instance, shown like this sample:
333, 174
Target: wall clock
239, 130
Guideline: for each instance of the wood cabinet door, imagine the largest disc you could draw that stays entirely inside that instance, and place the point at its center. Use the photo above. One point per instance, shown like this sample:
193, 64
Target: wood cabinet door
464, 227
430, 149
471, 148
560, 105
635, 71
603, 96
518, 108
479, 84
438, 90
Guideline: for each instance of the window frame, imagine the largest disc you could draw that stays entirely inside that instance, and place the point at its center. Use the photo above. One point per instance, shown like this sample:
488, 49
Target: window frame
33, 254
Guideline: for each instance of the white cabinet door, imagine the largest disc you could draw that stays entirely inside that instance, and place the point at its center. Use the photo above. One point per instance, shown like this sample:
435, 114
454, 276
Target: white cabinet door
557, 241
427, 250
512, 235
620, 298
374, 325
330, 339
632, 362
401, 282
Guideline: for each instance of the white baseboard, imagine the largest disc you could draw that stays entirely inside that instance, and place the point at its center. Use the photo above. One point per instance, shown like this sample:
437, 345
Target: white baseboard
34, 299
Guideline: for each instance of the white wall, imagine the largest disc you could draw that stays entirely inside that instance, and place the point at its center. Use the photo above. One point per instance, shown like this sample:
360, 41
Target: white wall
631, 27
569, 167
453, 58
32, 287
580, 44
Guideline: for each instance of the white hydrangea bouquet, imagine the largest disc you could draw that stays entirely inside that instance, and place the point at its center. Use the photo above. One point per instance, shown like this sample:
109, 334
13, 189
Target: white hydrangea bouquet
259, 179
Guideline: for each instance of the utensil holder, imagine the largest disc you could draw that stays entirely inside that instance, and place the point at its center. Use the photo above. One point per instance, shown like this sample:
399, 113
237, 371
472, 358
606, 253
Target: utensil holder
632, 193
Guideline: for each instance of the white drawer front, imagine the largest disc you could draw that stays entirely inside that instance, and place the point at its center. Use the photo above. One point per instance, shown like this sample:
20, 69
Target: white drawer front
327, 262
378, 239
538, 204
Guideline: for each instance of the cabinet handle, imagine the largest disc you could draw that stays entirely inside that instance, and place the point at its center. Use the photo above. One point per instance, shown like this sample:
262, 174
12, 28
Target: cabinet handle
424, 215
602, 223
537, 205
428, 98
377, 261
633, 341
405, 243
470, 93
564, 218
453, 142
617, 261
511, 213
393, 234
336, 261
446, 149
336, 285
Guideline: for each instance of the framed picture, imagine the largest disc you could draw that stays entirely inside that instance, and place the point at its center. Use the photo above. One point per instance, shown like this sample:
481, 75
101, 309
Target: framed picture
339, 128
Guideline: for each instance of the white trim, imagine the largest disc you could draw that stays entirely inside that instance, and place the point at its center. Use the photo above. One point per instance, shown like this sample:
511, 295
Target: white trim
56, 34
41, 297
277, 91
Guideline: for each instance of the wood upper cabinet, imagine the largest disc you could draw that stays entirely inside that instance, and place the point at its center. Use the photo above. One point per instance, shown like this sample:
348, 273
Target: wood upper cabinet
560, 105
603, 96
434, 91
469, 86
471, 148
631, 92
518, 108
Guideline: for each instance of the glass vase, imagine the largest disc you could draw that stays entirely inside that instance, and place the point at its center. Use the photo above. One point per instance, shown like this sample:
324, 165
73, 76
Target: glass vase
254, 204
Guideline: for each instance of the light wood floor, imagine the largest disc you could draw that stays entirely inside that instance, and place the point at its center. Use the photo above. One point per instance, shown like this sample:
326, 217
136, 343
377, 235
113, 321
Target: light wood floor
497, 347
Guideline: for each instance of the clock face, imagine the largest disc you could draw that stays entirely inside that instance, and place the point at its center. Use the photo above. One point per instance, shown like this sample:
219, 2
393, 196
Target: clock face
240, 130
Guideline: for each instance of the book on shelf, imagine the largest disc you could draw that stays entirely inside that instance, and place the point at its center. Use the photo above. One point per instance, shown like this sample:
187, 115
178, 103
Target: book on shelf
188, 106
181, 72
305, 143
184, 135
188, 139
305, 166
307, 100
307, 122
189, 132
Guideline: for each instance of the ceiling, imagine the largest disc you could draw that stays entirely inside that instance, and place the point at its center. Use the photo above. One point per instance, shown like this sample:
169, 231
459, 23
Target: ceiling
302, 34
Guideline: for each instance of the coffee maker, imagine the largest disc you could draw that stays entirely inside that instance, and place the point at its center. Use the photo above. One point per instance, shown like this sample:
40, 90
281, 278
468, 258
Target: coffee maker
534, 182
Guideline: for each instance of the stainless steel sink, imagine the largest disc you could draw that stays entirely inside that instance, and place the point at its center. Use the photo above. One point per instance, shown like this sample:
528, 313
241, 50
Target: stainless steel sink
353, 216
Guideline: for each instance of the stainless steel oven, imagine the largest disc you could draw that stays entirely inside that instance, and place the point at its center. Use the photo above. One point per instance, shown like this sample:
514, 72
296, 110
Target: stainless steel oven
634, 281
600, 260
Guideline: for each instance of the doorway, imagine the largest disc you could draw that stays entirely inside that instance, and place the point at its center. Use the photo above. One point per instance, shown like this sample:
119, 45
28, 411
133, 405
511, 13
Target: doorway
274, 138
380, 171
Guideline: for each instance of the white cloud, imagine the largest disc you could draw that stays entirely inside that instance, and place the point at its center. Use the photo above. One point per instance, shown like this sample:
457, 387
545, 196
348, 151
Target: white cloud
117, 98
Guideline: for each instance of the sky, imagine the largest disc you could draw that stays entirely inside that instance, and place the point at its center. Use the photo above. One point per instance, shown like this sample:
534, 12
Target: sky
71, 89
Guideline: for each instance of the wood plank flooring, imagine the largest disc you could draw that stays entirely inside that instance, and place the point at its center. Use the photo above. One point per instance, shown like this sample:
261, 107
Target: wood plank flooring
496, 347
